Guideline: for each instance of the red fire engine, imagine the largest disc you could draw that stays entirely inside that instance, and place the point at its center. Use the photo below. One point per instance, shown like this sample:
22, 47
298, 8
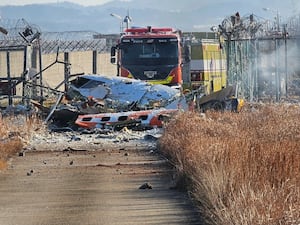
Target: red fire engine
150, 54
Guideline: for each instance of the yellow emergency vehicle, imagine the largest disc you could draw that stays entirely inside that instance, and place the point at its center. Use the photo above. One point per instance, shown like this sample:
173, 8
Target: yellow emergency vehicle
208, 66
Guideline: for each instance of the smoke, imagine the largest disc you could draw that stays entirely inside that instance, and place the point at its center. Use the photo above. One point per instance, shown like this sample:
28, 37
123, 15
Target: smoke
295, 6
278, 67
265, 68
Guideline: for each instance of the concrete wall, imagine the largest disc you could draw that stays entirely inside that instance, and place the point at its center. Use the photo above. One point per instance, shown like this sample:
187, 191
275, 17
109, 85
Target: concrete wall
81, 62
16, 63
104, 66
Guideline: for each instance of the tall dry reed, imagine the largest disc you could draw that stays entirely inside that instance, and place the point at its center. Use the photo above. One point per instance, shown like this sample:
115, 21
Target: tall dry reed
15, 132
244, 168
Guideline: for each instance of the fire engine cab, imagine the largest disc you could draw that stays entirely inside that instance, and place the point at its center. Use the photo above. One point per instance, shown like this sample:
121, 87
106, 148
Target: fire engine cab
150, 54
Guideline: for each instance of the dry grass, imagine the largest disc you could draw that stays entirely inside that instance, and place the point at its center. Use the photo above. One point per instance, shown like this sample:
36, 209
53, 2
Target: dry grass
15, 131
244, 168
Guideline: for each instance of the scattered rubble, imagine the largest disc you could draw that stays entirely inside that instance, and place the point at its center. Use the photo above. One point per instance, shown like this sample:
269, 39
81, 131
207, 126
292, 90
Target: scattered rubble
73, 141
97, 101
30, 173
21, 154
146, 186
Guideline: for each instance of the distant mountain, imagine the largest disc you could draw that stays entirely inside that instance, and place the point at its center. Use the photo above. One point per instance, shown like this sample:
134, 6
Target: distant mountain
189, 15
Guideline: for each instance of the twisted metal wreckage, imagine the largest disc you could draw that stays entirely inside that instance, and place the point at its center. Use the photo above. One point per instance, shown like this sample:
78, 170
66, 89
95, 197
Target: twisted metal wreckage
98, 101
105, 102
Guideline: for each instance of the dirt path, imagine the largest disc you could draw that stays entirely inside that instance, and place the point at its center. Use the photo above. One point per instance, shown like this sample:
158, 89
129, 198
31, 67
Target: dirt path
92, 187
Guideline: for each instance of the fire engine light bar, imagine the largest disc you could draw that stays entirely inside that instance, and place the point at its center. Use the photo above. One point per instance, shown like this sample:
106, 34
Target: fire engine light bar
148, 30
144, 40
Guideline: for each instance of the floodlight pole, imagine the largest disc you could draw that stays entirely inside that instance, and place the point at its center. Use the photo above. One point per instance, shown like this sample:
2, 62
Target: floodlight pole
119, 18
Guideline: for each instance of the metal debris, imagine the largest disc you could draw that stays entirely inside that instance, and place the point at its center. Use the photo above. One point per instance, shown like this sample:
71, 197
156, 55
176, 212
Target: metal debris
122, 101
145, 186
117, 94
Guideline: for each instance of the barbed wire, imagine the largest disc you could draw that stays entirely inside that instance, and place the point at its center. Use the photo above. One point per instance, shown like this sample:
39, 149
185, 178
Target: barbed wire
18, 32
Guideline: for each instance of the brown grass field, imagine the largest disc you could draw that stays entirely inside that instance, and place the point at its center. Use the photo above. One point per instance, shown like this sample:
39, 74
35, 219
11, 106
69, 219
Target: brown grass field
241, 168
15, 131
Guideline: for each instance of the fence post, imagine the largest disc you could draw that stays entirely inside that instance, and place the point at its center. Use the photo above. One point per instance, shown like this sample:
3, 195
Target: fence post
66, 69
94, 62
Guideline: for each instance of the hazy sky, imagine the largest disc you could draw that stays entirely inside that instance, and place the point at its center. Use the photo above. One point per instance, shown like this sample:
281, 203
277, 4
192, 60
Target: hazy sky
81, 2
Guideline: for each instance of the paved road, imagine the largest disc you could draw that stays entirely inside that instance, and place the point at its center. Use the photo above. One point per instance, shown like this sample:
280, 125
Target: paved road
92, 187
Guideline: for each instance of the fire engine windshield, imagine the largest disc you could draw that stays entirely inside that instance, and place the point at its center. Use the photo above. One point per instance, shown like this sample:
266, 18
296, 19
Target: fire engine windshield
154, 51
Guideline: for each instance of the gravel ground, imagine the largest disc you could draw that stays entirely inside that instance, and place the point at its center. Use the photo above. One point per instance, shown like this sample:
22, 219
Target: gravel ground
95, 140
74, 178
